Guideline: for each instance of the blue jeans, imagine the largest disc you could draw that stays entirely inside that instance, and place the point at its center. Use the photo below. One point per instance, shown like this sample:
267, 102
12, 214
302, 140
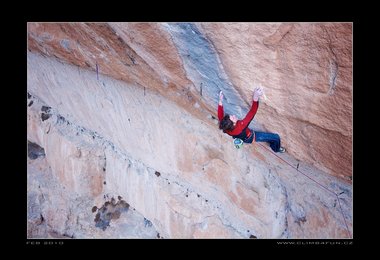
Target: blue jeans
273, 140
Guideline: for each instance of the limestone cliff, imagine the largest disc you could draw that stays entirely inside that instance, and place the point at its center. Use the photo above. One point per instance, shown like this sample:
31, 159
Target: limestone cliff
124, 142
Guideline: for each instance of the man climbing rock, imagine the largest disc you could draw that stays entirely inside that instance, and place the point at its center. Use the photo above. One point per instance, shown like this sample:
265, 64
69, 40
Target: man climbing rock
238, 129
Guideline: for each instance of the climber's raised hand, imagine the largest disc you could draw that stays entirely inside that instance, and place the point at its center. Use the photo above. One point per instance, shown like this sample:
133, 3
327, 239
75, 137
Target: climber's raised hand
220, 98
257, 93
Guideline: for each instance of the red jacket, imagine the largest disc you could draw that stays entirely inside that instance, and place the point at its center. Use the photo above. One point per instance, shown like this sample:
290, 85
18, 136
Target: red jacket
241, 125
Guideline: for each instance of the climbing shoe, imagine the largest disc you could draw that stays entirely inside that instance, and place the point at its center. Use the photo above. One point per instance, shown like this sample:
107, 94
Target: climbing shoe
281, 150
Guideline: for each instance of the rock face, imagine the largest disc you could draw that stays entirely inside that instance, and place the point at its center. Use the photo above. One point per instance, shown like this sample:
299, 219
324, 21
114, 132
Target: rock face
124, 114
306, 70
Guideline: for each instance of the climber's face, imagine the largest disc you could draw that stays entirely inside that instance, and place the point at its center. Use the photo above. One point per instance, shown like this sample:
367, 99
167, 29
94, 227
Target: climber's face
233, 118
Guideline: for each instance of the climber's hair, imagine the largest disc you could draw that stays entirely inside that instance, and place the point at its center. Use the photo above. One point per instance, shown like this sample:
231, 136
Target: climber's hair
226, 123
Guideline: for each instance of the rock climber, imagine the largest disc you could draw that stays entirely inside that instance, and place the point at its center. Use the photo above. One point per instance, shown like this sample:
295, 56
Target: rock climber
238, 129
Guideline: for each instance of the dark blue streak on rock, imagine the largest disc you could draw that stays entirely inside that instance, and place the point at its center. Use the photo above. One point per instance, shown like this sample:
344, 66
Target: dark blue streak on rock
203, 68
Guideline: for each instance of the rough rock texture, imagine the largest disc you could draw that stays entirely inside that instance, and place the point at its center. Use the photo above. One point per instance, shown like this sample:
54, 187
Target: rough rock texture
55, 212
139, 53
306, 70
144, 138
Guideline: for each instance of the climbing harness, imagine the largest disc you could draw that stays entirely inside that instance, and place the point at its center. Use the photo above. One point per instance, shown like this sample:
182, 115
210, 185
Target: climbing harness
238, 143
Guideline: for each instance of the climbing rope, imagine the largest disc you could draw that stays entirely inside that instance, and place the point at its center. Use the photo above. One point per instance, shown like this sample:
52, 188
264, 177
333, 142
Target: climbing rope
341, 210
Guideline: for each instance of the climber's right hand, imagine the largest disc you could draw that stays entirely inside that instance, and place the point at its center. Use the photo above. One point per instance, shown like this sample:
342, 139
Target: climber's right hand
257, 93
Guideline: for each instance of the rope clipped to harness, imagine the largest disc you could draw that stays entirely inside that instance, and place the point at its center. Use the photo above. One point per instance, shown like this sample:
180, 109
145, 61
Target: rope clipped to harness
238, 143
